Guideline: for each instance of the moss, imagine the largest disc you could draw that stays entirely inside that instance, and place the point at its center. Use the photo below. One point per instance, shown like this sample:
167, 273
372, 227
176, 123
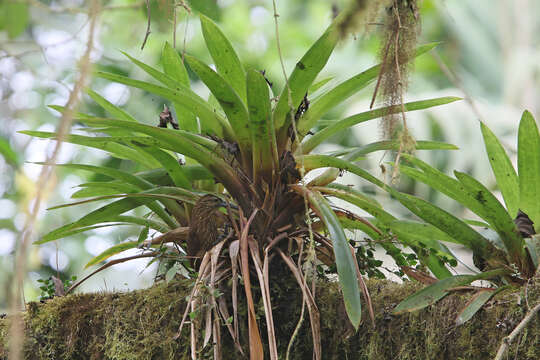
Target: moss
142, 324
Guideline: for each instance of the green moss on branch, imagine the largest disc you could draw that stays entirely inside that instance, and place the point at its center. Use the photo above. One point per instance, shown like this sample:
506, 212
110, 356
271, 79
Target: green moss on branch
141, 325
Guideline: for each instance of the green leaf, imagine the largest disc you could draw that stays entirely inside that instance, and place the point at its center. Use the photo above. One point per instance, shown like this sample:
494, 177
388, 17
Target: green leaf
499, 219
108, 144
319, 84
475, 303
153, 224
342, 92
354, 224
446, 222
173, 66
169, 163
529, 168
427, 248
260, 123
131, 179
76, 231
433, 293
201, 140
312, 162
180, 142
372, 207
186, 119
103, 214
120, 220
354, 192
322, 135
113, 250
208, 8
211, 122
10, 155
155, 73
305, 71
61, 110
176, 140
385, 145
169, 275
110, 107
14, 17
229, 100
142, 235
533, 246
113, 212
356, 198
443, 183
160, 176
103, 188
345, 262
507, 179
110, 172
160, 193
227, 62
428, 233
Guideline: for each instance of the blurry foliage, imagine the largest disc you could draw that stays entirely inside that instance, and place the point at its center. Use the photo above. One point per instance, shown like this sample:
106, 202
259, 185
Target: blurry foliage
14, 17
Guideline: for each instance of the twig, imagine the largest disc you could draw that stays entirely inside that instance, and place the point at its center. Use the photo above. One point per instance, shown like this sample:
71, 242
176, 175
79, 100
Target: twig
174, 27
456, 81
450, 75
180, 3
381, 73
185, 41
400, 84
79, 10
508, 339
17, 330
296, 330
147, 24
314, 315
41, 49
109, 264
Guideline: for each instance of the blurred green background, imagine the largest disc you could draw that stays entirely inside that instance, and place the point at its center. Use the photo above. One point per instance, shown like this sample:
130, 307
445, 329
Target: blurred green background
491, 46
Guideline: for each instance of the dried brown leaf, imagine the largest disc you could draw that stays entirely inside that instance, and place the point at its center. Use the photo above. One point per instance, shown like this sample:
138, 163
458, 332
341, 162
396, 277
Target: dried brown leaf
255, 342
265, 289
314, 316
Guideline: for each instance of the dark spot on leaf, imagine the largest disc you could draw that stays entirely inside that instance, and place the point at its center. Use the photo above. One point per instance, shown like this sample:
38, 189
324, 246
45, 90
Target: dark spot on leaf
480, 197
300, 65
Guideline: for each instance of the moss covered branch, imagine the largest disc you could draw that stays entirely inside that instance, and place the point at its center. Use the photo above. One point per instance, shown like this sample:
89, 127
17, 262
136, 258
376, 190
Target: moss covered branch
142, 324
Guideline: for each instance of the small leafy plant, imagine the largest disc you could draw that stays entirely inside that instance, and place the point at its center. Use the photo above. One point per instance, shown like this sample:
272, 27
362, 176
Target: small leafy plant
49, 287
504, 244
254, 148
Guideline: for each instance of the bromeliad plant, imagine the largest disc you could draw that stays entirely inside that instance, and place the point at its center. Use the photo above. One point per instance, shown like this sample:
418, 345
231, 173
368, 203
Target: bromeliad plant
505, 248
253, 147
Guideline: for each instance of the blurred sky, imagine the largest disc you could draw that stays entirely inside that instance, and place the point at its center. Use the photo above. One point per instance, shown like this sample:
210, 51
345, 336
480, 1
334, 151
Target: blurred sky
490, 46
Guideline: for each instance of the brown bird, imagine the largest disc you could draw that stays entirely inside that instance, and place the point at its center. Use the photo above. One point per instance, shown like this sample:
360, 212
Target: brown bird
206, 226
